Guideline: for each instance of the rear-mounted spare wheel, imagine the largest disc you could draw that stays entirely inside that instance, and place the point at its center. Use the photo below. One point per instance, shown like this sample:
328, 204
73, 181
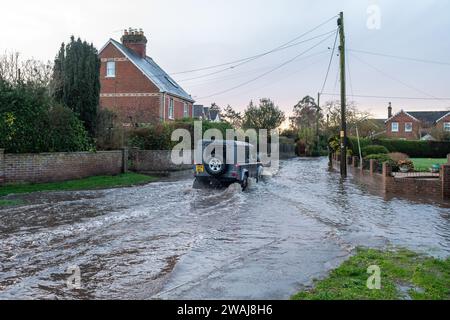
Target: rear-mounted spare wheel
215, 166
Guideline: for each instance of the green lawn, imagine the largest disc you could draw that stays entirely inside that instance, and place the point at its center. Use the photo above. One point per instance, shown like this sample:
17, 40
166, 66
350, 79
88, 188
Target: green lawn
425, 164
404, 274
98, 182
9, 203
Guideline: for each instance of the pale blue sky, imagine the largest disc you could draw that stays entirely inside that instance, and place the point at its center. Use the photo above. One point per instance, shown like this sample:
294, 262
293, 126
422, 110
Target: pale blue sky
189, 34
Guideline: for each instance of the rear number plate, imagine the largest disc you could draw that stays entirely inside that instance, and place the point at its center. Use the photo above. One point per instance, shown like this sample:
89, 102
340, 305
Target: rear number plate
200, 169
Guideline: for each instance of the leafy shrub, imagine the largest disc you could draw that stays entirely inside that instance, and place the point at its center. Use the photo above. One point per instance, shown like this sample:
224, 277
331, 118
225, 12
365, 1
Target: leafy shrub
406, 163
398, 156
31, 122
156, 137
159, 136
109, 133
65, 132
373, 149
381, 158
353, 144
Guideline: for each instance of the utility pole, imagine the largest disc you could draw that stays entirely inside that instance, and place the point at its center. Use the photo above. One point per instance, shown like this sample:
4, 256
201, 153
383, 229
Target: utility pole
343, 133
317, 121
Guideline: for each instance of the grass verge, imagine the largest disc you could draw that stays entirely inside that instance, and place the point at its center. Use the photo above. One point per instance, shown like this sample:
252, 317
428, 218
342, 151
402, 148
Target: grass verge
10, 203
98, 182
404, 275
424, 165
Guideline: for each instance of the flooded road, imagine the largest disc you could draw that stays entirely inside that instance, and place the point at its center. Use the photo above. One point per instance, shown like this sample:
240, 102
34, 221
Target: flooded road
166, 240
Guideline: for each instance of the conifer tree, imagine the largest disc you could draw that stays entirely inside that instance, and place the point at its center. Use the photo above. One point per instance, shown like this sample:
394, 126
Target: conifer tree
76, 80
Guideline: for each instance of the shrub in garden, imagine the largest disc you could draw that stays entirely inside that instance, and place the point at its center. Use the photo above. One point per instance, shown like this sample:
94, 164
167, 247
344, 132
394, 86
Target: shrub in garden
381, 158
31, 122
374, 149
398, 156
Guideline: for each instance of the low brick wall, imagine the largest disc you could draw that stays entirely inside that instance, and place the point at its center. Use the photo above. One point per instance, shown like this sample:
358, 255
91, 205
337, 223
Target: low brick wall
437, 188
59, 166
154, 161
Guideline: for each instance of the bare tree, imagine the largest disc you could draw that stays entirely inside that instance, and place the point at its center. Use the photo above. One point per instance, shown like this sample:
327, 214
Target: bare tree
15, 70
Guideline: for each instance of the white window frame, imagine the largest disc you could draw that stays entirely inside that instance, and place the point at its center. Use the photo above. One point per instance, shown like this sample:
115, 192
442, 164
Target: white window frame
395, 127
446, 126
406, 127
110, 72
186, 110
171, 109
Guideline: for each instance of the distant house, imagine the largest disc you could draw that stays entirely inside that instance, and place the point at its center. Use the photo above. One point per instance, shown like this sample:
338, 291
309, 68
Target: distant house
206, 113
135, 87
416, 125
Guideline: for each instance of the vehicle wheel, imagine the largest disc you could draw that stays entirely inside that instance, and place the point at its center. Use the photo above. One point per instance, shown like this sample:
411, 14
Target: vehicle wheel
200, 183
259, 175
244, 183
215, 166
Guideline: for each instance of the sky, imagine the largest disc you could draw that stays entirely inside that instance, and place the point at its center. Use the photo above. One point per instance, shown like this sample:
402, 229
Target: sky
190, 34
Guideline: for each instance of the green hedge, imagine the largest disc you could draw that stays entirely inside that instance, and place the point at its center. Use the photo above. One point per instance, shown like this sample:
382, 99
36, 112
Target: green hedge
374, 149
414, 149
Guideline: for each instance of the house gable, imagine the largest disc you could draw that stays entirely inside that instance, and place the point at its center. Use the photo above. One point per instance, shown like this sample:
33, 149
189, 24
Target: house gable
399, 115
152, 71
445, 118
129, 78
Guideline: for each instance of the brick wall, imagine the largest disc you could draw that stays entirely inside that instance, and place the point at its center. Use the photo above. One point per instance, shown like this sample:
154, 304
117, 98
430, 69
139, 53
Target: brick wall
154, 161
2, 164
51, 167
413, 187
445, 180
386, 184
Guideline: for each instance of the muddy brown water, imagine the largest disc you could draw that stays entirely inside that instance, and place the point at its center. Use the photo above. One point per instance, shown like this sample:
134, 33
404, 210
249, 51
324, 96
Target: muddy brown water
166, 240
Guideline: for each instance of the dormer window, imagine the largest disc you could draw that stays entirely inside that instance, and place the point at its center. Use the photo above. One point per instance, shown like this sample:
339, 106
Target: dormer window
110, 69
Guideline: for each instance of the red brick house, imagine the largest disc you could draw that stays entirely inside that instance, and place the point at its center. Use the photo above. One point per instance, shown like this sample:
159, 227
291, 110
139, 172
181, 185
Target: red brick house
135, 87
416, 125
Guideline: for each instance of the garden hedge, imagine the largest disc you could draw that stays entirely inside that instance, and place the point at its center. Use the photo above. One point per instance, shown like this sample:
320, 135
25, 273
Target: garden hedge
413, 148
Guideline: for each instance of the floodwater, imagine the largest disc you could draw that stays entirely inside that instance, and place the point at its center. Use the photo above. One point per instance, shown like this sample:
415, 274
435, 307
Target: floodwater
166, 240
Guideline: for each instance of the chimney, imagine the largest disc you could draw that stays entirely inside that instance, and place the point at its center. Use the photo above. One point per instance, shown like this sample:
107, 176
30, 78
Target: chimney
390, 110
135, 40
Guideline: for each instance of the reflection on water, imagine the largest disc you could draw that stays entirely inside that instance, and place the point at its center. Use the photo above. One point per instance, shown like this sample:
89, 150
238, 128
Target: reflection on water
166, 240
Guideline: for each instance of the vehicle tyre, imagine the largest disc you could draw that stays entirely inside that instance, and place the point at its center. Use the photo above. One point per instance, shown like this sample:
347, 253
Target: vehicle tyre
215, 166
244, 183
200, 183
259, 175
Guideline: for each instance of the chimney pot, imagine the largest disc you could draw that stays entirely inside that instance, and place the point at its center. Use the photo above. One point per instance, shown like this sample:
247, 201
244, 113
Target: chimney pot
135, 40
390, 110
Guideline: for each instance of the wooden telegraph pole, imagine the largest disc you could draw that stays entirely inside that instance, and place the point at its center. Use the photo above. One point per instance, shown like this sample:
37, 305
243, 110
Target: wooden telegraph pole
318, 121
343, 98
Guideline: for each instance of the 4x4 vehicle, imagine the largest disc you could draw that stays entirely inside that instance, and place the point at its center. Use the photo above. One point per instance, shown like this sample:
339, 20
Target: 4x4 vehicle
215, 171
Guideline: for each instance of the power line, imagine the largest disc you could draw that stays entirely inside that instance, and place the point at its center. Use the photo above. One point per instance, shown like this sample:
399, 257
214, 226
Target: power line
283, 78
387, 97
392, 78
254, 58
331, 61
259, 55
401, 58
245, 73
266, 73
